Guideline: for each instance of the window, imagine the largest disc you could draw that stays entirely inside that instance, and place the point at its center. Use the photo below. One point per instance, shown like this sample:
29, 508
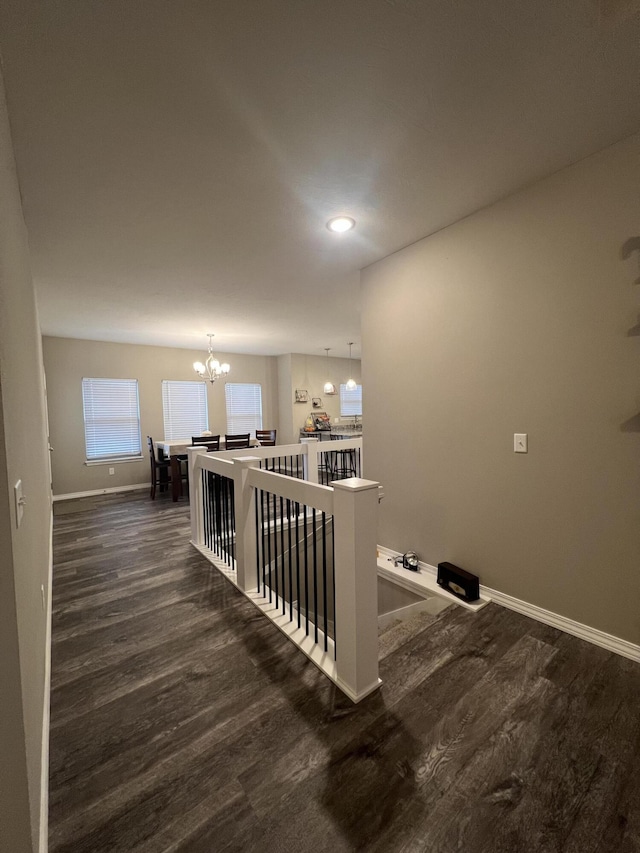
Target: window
350, 401
244, 407
184, 405
111, 419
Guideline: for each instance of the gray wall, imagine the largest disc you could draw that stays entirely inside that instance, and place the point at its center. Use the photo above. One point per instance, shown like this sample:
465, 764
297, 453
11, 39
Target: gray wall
521, 318
25, 551
309, 373
67, 361
297, 371
285, 406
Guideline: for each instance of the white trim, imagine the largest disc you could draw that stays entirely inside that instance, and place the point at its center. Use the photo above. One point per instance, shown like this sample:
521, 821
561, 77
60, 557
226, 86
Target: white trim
110, 491
46, 710
423, 581
117, 460
410, 580
569, 626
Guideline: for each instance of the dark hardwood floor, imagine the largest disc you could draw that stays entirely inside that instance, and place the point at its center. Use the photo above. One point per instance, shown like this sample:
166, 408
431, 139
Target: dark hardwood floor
183, 721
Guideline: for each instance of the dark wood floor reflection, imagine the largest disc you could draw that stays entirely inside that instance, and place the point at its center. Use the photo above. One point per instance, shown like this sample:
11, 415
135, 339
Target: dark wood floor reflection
183, 721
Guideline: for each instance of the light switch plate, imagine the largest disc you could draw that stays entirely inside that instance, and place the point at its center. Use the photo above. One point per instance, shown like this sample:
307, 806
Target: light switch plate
520, 442
19, 499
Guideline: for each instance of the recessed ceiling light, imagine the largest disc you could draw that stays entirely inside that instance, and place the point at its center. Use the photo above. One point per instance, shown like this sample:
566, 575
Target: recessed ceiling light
340, 224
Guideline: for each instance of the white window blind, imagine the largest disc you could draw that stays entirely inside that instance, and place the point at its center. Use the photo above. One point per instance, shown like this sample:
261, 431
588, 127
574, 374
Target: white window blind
350, 401
244, 407
111, 418
184, 405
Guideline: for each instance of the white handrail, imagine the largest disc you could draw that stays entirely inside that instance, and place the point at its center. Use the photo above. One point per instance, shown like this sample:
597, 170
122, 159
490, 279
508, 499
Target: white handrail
311, 494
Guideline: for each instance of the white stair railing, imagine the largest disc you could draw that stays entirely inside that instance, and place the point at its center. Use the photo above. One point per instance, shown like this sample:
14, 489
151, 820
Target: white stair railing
350, 657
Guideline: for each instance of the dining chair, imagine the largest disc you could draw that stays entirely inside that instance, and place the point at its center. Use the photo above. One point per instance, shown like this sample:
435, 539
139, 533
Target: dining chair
266, 437
212, 441
160, 470
236, 442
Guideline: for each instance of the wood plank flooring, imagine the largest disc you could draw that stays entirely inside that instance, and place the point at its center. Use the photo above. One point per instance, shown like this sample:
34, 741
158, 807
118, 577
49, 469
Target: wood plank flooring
183, 722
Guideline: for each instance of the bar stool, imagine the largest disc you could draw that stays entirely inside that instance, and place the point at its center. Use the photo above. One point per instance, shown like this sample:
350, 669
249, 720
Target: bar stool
343, 463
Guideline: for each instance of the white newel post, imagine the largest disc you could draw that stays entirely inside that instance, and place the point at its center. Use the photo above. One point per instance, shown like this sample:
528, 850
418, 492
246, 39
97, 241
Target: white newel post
195, 496
355, 517
310, 459
245, 524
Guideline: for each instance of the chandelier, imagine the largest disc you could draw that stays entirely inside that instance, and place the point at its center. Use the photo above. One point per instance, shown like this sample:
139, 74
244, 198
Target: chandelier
212, 368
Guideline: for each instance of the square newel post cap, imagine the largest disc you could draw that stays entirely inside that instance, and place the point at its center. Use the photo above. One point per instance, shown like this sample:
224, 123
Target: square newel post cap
354, 484
246, 461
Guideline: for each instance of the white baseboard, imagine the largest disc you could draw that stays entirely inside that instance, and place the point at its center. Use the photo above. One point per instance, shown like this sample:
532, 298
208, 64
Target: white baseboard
555, 620
110, 491
569, 626
43, 840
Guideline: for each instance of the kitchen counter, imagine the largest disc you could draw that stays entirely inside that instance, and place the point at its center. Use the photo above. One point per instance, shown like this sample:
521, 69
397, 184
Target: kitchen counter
325, 434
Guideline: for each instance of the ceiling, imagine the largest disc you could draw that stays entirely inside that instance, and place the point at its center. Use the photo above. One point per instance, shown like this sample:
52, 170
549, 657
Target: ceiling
178, 161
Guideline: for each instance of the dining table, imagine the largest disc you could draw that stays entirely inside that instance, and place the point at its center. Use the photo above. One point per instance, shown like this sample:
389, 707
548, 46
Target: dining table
173, 449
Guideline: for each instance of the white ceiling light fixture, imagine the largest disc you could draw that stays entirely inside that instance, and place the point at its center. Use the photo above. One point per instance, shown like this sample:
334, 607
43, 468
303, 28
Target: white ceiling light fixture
351, 383
340, 224
212, 368
329, 387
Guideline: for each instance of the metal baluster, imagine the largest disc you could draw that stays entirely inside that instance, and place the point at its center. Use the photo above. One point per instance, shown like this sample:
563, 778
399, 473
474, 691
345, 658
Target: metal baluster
269, 542
204, 505
257, 535
297, 512
284, 588
333, 583
274, 568
306, 574
290, 560
232, 529
226, 520
324, 579
264, 546
315, 576
218, 502
215, 483
232, 526
223, 516
211, 497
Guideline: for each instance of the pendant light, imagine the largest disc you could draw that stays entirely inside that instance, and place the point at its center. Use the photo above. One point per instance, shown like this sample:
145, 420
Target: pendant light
212, 368
329, 387
351, 383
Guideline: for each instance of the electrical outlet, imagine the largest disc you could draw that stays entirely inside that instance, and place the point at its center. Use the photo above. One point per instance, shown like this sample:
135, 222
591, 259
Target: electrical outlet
112, 470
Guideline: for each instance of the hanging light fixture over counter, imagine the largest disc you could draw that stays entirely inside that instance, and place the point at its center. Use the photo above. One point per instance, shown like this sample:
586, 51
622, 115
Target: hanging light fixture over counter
212, 368
329, 387
351, 383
